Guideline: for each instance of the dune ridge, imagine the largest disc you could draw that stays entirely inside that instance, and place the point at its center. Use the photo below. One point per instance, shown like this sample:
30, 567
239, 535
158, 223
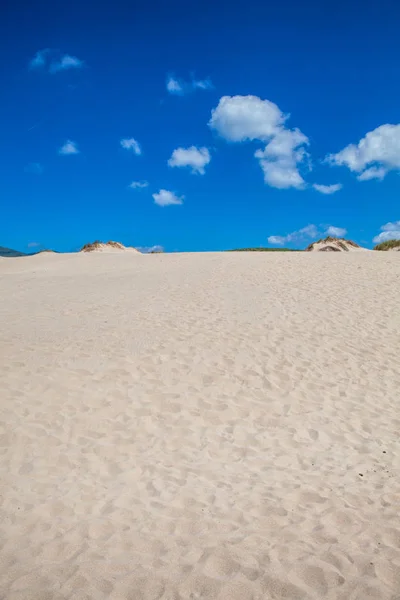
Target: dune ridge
110, 246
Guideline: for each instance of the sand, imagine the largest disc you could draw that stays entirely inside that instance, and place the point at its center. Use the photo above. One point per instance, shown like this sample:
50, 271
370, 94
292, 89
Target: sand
220, 426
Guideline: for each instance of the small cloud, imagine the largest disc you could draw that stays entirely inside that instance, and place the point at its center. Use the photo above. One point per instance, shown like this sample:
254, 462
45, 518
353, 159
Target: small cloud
35, 168
69, 147
167, 198
336, 231
327, 189
66, 62
276, 240
138, 185
179, 87
33, 244
131, 144
202, 84
40, 58
196, 158
390, 231
174, 86
150, 249
310, 231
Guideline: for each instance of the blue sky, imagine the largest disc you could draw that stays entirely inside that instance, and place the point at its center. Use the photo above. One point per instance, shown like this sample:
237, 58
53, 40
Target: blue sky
223, 116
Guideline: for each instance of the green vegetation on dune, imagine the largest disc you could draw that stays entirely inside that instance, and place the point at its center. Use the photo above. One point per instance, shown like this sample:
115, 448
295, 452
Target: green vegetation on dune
388, 245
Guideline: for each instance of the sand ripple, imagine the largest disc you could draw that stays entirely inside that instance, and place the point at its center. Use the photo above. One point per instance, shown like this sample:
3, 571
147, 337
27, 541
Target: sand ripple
219, 426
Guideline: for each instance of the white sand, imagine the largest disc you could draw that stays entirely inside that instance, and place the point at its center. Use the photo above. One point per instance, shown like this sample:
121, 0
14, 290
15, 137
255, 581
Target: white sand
195, 426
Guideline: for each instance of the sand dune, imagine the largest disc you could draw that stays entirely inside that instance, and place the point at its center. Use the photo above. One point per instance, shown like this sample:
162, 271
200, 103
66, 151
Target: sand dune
220, 426
335, 244
107, 247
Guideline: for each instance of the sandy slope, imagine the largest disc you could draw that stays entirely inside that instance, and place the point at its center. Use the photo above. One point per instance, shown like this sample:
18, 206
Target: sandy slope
200, 426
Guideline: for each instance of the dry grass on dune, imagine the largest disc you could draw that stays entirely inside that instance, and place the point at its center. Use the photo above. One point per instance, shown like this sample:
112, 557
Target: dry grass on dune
388, 245
99, 246
90, 247
332, 244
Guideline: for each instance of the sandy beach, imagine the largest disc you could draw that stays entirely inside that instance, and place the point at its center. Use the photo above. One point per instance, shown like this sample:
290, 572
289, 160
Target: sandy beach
188, 426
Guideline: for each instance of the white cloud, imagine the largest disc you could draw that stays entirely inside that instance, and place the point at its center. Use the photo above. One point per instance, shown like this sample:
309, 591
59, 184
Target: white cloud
196, 158
249, 118
151, 249
179, 87
241, 118
374, 155
390, 231
167, 198
69, 147
305, 234
281, 157
174, 86
310, 231
131, 144
40, 58
66, 62
138, 185
278, 240
372, 173
202, 84
327, 189
33, 244
335, 231
35, 168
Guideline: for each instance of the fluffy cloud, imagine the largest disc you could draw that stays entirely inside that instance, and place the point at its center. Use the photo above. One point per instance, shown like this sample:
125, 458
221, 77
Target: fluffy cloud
35, 168
375, 154
167, 198
241, 118
336, 231
43, 59
179, 87
249, 118
310, 231
195, 158
281, 157
131, 144
33, 245
327, 189
69, 147
390, 231
138, 185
